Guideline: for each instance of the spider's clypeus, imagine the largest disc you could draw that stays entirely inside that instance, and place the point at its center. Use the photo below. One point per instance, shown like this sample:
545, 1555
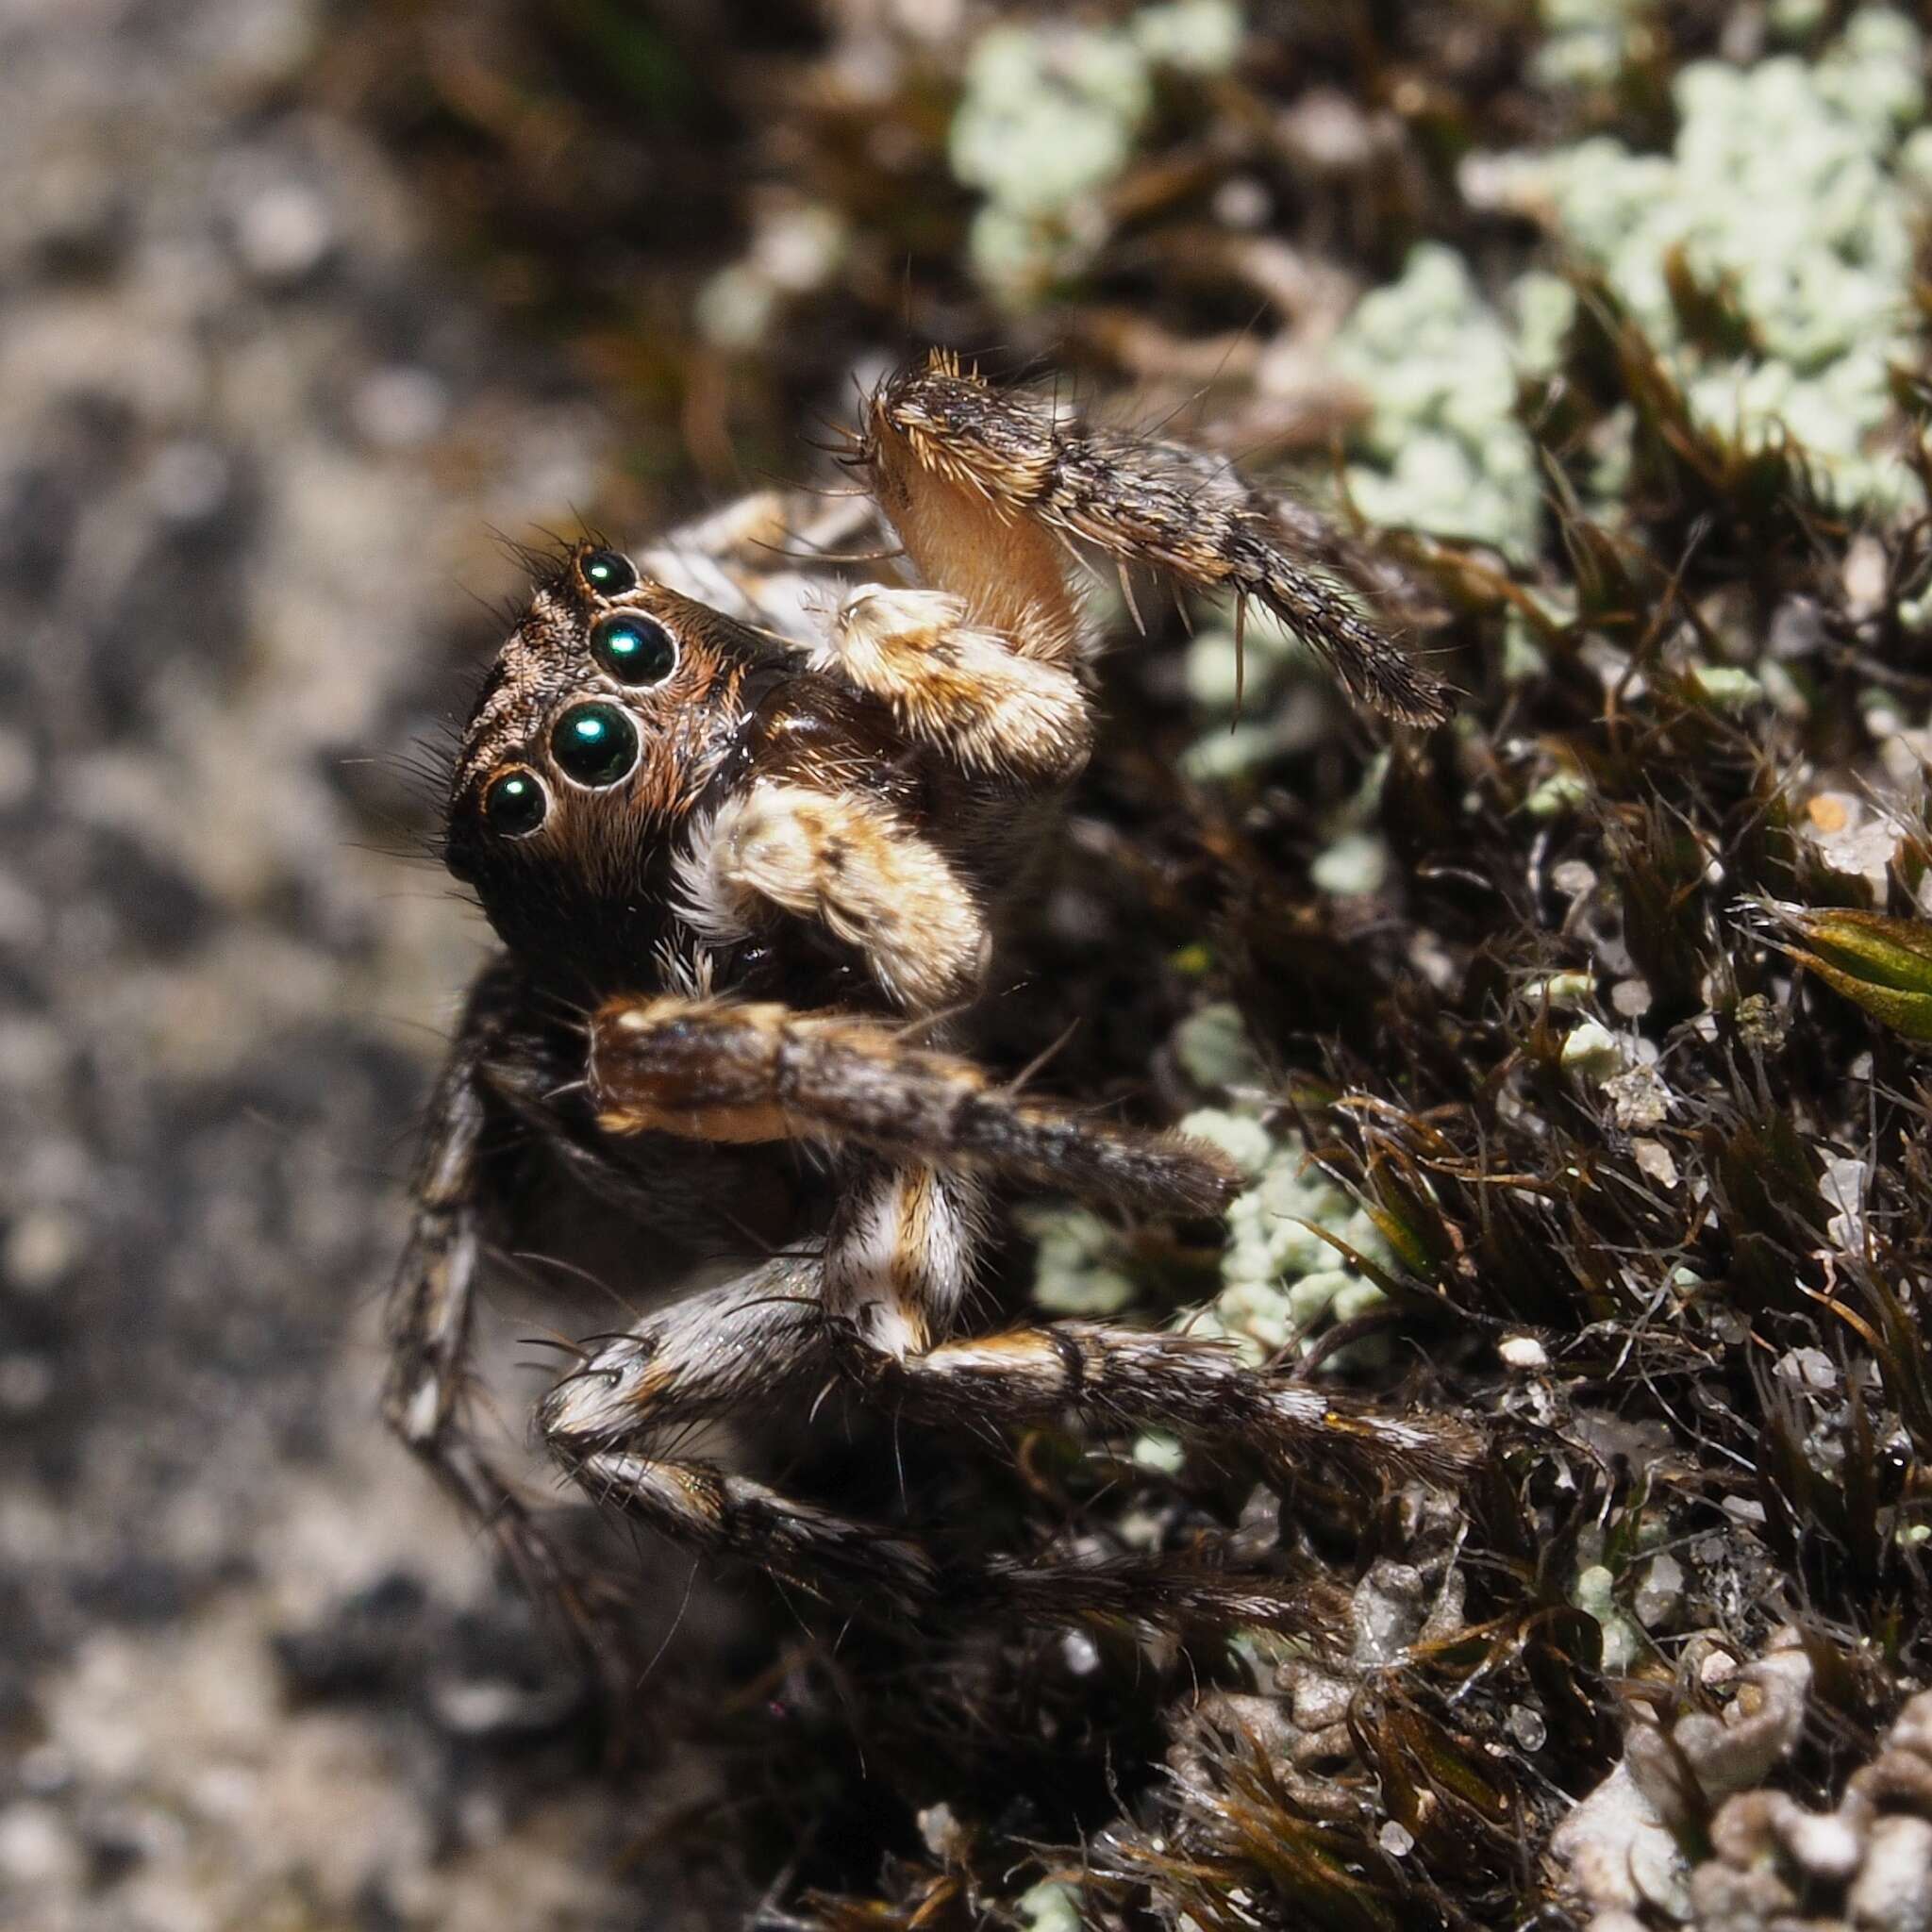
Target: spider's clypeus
750, 861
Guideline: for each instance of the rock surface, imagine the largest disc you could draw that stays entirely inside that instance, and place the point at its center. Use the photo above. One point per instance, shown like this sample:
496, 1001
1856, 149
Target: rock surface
255, 1672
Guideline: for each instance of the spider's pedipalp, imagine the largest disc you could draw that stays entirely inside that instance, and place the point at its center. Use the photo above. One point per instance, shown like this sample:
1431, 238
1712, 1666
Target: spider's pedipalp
848, 862
759, 1072
962, 689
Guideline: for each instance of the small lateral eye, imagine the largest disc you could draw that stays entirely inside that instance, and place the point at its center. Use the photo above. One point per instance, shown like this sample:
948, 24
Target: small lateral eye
515, 803
594, 745
608, 574
635, 649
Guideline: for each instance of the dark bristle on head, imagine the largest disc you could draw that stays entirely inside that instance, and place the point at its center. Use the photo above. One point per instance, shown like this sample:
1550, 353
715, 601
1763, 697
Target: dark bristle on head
543, 563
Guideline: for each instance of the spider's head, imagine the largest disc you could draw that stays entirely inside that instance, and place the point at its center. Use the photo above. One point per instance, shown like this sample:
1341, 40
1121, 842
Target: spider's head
613, 707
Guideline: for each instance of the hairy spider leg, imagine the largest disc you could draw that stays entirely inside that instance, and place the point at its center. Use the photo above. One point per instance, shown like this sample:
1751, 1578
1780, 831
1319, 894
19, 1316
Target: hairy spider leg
616, 1425
719, 1070
903, 1241
895, 1263
431, 1314
979, 480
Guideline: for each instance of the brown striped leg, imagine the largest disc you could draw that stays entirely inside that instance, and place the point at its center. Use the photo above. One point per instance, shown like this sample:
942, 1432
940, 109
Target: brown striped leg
718, 1071
431, 1308
980, 482
891, 1286
616, 1426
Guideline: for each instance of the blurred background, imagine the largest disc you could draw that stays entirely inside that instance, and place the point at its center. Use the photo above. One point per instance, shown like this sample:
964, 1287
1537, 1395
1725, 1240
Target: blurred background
304, 303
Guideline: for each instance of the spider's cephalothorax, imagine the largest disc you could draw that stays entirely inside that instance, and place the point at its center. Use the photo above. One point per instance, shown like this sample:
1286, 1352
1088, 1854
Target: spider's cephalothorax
750, 859
620, 718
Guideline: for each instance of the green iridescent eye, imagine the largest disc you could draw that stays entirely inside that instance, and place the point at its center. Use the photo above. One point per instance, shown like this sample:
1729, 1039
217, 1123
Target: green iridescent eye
635, 649
608, 574
515, 803
594, 745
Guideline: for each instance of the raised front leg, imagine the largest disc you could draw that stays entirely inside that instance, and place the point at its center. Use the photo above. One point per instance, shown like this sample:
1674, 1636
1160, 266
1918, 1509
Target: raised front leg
983, 484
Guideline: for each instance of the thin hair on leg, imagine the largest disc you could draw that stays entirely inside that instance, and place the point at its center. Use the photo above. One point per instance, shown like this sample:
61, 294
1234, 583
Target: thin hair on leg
725, 1070
616, 1426
973, 474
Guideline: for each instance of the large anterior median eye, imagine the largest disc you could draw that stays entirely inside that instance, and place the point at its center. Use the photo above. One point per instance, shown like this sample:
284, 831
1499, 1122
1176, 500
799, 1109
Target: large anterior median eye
608, 574
515, 803
594, 745
635, 649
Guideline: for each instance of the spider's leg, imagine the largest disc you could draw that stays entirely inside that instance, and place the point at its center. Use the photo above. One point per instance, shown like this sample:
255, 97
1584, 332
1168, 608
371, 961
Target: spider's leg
616, 1426
847, 862
721, 1070
979, 480
892, 1304
963, 690
431, 1307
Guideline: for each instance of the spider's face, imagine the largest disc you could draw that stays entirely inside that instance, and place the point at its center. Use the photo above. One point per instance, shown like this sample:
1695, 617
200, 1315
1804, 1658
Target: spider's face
614, 706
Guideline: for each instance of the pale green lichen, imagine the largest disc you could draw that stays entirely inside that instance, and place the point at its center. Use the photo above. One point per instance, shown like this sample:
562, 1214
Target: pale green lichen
1050, 1906
1353, 865
1270, 657
1048, 115
1214, 1050
1587, 43
1726, 687
1440, 448
795, 249
1593, 1053
1075, 1269
1557, 797
1280, 1279
1544, 308
1190, 36
1792, 192
1049, 118
1797, 20
1623, 1642
1161, 1451
1561, 990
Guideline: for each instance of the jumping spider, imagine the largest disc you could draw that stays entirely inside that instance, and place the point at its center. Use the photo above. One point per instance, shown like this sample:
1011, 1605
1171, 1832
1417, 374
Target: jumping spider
748, 886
